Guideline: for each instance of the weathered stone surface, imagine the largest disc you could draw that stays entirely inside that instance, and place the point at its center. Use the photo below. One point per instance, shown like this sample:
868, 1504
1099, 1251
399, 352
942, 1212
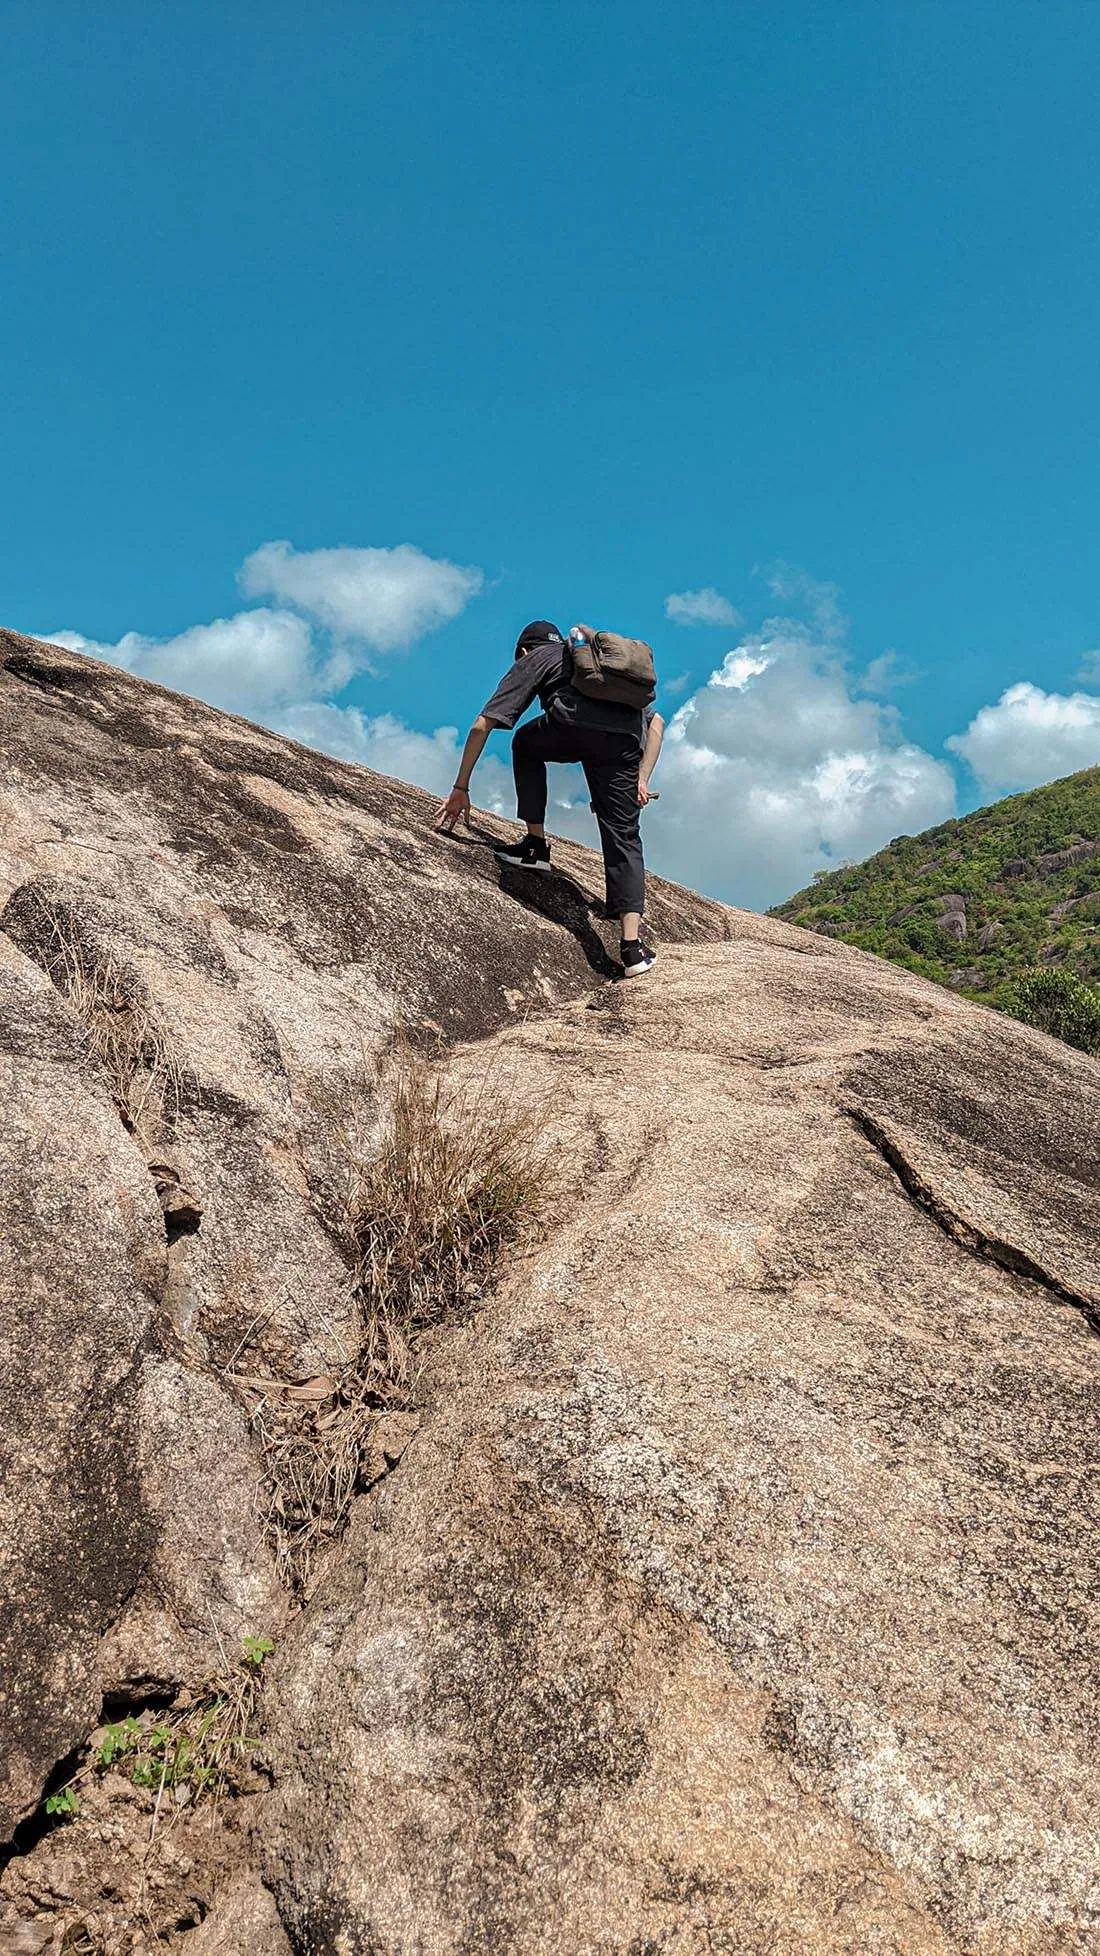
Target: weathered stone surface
243, 1922
738, 1590
82, 1261
1052, 860
263, 916
733, 1589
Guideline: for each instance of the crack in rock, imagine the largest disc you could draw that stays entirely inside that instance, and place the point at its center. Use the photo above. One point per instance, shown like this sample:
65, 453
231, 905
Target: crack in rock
1007, 1256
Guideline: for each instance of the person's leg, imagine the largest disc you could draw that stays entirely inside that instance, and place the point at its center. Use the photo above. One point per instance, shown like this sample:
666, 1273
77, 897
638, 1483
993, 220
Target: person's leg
529, 758
611, 769
533, 744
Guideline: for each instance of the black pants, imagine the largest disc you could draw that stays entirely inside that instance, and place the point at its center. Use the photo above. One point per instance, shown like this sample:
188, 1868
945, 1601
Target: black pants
610, 762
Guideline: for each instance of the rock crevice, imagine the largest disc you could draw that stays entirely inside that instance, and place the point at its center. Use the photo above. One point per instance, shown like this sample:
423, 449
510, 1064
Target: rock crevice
1007, 1256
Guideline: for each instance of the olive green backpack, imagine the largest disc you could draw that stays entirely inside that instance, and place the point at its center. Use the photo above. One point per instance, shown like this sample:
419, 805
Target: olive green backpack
609, 667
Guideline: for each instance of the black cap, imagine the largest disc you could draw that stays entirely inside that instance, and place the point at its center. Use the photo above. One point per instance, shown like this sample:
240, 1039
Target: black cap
539, 632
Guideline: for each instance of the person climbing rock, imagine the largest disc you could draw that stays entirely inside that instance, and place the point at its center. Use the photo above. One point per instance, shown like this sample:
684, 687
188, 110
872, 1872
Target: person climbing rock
616, 745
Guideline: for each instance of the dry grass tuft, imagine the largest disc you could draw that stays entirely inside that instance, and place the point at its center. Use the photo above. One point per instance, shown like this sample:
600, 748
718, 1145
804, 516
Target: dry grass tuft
314, 1458
456, 1179
143, 1074
425, 1208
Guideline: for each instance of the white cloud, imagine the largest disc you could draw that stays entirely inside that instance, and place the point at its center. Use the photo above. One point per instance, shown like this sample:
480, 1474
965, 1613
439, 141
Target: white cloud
705, 607
820, 601
737, 668
886, 672
253, 663
389, 746
1030, 736
382, 598
270, 662
774, 769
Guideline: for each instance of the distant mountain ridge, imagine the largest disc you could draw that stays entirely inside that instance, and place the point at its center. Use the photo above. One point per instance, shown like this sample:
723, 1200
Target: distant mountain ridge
976, 901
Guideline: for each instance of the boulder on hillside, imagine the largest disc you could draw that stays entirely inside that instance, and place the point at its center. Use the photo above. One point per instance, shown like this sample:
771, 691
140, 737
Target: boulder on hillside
952, 917
1053, 860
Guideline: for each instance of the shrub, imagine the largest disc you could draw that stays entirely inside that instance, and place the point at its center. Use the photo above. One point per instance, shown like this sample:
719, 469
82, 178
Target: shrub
1055, 1000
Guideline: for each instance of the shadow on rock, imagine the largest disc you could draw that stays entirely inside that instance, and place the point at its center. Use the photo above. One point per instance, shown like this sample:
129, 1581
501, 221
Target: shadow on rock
556, 897
563, 902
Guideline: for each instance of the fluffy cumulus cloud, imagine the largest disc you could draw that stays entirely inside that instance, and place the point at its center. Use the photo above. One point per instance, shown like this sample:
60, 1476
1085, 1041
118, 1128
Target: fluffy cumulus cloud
775, 768
285, 665
254, 663
705, 607
1030, 736
383, 599
389, 746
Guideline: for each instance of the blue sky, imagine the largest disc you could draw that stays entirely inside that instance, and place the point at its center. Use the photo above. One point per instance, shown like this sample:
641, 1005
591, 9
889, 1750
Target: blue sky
602, 304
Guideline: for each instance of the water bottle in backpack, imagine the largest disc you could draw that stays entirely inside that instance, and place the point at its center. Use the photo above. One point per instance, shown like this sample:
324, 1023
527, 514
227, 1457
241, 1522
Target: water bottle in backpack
609, 667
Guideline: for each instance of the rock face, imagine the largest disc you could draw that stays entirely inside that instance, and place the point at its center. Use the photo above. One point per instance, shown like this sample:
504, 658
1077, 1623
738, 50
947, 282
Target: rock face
735, 1593
737, 1590
205, 934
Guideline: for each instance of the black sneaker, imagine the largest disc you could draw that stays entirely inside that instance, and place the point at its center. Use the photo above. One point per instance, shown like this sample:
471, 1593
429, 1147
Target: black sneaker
637, 958
532, 853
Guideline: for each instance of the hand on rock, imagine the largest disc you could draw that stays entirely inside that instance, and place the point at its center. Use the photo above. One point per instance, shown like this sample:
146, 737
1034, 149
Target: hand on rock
456, 808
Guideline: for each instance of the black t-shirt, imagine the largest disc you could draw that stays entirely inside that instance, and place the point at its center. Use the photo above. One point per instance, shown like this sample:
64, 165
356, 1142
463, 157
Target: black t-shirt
539, 671
545, 671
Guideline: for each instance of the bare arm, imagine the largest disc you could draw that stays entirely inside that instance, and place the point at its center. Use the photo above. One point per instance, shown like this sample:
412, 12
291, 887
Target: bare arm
457, 805
650, 757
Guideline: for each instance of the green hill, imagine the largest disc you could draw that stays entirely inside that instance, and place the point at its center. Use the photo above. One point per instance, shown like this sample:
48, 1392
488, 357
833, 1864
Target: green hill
978, 902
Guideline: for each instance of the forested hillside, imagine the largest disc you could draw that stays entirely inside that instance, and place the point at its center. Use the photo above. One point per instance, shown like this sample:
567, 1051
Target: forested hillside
976, 902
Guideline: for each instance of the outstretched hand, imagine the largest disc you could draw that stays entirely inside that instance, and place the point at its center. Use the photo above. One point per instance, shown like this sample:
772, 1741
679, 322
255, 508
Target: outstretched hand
456, 808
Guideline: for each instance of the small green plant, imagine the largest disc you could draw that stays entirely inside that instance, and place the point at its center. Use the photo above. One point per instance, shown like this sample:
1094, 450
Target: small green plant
1055, 1000
117, 1742
197, 1744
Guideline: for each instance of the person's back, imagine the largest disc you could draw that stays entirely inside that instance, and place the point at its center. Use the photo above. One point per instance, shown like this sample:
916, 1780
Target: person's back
608, 739
603, 716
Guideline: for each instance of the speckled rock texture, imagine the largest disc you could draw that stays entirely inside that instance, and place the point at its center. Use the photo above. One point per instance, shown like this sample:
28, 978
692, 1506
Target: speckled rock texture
262, 917
736, 1591
739, 1590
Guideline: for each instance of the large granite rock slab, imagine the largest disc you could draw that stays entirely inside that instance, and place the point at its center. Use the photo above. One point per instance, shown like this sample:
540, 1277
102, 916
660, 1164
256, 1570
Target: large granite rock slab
740, 1590
239, 923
